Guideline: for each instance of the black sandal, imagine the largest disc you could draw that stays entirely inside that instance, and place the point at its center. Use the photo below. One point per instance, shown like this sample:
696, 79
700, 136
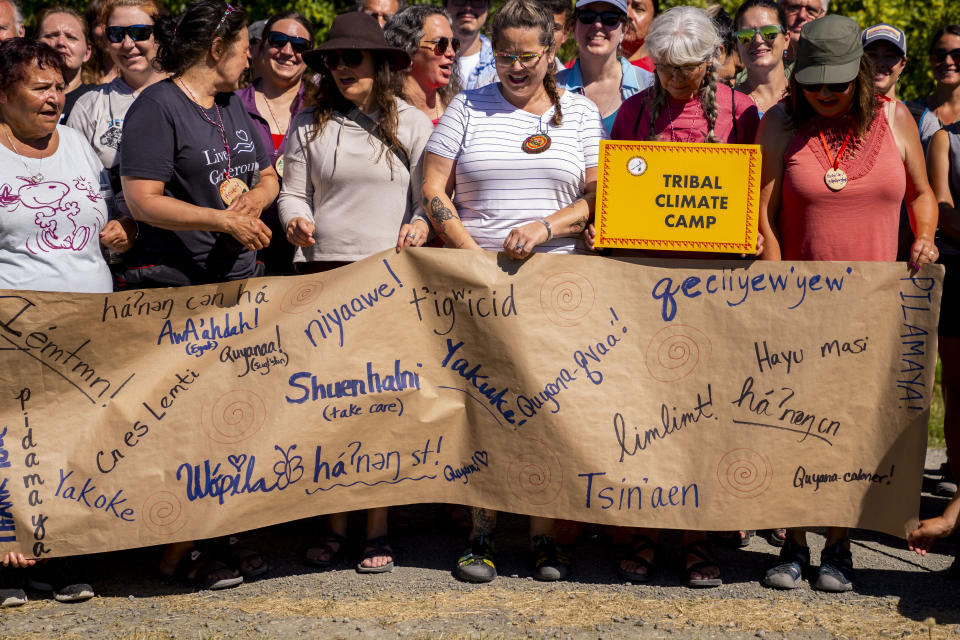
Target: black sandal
700, 549
638, 545
203, 566
379, 546
325, 544
249, 562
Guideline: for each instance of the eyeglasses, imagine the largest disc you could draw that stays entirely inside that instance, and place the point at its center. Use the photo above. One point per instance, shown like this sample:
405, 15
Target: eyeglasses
794, 7
353, 58
137, 33
526, 60
279, 40
834, 87
607, 18
684, 70
768, 32
940, 55
440, 45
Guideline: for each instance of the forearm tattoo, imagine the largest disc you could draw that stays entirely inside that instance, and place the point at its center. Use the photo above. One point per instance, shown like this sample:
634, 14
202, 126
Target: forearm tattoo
484, 522
439, 212
578, 225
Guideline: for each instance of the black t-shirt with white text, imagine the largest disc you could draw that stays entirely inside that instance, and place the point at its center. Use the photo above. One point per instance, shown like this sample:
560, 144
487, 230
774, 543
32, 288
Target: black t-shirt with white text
166, 138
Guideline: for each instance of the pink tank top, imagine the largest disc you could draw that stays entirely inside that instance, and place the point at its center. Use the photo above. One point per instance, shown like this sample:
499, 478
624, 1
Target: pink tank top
859, 222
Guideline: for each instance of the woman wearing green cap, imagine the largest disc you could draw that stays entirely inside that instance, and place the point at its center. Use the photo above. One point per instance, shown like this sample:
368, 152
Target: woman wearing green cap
835, 169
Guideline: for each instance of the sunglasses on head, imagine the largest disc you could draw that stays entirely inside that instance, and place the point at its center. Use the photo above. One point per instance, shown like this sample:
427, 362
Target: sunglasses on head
279, 40
137, 33
440, 45
768, 32
352, 58
607, 18
940, 55
834, 87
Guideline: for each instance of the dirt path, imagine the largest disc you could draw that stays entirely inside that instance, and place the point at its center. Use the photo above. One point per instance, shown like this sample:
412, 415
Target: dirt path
896, 592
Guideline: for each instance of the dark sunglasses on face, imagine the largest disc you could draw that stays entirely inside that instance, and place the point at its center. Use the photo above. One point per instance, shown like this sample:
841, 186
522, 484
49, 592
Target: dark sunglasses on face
768, 32
352, 58
440, 45
834, 87
940, 55
607, 18
279, 40
137, 33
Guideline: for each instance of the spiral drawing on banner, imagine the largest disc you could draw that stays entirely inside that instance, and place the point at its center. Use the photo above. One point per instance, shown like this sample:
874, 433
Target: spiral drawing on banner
674, 352
234, 416
536, 478
162, 513
301, 296
566, 298
744, 473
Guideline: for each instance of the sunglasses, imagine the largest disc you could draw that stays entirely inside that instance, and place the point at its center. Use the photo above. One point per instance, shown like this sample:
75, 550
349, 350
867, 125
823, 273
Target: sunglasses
137, 33
768, 32
940, 55
525, 59
440, 45
607, 18
834, 87
352, 58
279, 40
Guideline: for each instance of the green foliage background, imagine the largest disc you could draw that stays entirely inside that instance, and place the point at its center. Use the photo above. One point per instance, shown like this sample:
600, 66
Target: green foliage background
918, 19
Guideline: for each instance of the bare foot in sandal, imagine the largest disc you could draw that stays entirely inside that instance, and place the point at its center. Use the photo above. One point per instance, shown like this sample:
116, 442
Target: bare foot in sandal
377, 556
328, 552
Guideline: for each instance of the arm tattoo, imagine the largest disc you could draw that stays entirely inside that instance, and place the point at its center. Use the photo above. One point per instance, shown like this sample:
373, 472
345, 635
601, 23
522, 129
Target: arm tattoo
578, 225
439, 212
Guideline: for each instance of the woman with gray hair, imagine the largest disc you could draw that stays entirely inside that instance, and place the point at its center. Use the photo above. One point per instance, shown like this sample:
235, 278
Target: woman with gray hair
685, 104
425, 33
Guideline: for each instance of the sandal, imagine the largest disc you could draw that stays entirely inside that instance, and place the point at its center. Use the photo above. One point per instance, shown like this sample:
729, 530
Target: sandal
735, 539
638, 545
325, 545
700, 550
836, 569
794, 562
379, 546
548, 561
774, 537
199, 569
476, 563
247, 561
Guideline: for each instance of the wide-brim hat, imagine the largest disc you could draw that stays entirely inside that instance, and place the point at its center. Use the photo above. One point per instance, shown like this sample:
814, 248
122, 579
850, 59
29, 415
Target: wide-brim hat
356, 30
829, 51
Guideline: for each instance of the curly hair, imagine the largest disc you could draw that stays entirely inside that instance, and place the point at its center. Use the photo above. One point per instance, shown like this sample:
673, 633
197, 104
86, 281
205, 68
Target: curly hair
527, 14
327, 100
184, 41
405, 31
680, 36
19, 54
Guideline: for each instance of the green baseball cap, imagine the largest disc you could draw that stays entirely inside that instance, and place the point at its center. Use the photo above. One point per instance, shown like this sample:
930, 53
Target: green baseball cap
829, 50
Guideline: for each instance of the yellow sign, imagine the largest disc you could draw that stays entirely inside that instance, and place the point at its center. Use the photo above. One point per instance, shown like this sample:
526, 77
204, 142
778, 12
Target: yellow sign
678, 196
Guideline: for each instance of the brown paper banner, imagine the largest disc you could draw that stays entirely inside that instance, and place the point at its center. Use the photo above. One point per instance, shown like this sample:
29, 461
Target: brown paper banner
697, 395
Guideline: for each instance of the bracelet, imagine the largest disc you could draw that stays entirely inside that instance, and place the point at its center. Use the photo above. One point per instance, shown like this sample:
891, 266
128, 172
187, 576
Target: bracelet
546, 223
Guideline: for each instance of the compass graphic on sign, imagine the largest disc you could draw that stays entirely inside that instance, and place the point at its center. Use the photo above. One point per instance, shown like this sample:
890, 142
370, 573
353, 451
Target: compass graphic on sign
637, 166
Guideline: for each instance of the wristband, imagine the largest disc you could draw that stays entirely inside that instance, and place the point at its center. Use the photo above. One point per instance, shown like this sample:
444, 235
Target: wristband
546, 223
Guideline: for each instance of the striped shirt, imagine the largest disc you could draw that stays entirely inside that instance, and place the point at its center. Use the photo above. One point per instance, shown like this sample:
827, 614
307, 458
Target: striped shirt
498, 185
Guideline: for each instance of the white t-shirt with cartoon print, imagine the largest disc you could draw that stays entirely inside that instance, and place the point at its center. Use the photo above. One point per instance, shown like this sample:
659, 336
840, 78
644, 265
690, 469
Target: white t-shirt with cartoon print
53, 212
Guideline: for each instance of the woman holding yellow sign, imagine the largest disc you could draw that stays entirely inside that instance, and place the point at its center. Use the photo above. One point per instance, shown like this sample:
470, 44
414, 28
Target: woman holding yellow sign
836, 166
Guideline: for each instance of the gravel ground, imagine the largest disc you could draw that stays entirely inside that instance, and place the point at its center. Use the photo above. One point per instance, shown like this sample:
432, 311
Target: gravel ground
896, 594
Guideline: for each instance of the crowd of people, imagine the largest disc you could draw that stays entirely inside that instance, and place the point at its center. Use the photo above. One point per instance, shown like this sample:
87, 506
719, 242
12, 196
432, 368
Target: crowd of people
135, 159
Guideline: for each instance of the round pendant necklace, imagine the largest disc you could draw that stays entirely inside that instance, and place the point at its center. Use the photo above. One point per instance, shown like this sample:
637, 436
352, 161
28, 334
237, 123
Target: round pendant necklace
835, 177
278, 158
539, 141
230, 188
35, 178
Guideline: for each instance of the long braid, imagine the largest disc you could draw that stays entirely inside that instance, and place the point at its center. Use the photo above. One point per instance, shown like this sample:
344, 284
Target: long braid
709, 102
658, 98
550, 86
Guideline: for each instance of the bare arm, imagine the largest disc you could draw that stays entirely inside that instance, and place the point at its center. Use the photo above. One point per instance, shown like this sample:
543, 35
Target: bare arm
921, 202
938, 168
148, 204
438, 179
572, 220
773, 136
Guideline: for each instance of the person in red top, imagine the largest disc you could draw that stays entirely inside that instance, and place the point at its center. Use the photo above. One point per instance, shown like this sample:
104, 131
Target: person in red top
640, 13
836, 164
